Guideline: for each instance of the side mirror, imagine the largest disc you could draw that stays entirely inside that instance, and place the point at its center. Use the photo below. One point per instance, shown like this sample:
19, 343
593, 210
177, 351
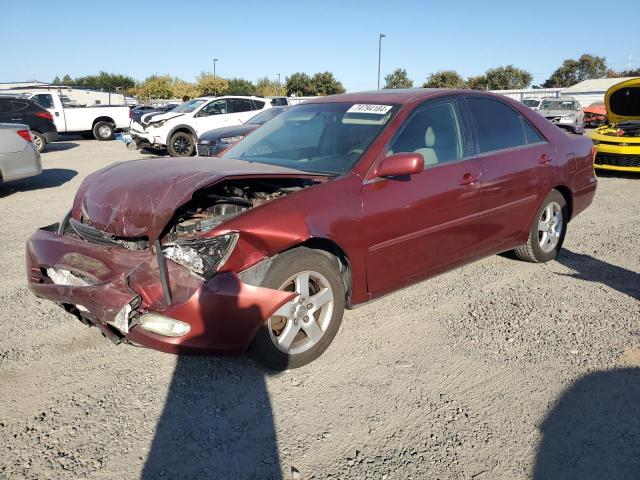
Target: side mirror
400, 164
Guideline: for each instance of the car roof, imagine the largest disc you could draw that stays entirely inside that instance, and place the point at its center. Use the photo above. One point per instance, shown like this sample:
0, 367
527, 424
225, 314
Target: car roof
399, 95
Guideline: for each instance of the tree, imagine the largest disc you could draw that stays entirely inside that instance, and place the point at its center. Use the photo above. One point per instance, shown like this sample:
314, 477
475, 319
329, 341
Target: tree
507, 78
398, 79
326, 84
269, 88
623, 73
67, 80
208, 84
181, 89
479, 82
575, 71
56, 81
240, 86
444, 79
109, 81
157, 86
300, 84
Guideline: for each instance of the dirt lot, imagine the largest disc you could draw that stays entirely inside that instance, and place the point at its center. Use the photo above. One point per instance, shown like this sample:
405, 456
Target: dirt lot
498, 370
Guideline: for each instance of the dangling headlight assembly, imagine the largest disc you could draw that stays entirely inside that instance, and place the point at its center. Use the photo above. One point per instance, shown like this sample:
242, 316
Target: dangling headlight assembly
203, 256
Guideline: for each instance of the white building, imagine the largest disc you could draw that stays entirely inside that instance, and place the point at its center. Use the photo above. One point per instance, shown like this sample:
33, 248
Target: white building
79, 96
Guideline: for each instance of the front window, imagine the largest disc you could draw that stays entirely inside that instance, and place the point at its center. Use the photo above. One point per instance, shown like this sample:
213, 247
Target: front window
44, 100
217, 107
190, 106
557, 105
531, 103
327, 138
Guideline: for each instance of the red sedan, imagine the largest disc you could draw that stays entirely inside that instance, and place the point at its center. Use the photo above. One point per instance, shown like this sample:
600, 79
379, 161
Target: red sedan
332, 204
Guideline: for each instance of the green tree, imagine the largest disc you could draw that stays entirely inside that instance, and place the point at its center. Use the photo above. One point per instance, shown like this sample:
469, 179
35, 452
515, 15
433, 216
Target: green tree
444, 79
181, 89
157, 86
326, 84
240, 86
208, 84
507, 78
398, 79
104, 80
67, 80
575, 71
479, 82
269, 88
300, 84
56, 81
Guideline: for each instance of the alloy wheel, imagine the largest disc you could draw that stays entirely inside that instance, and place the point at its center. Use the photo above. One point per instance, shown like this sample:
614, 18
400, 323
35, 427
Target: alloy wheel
550, 227
301, 323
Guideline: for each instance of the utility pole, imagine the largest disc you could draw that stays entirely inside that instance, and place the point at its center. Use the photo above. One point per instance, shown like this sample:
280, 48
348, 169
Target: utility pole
214, 75
382, 35
278, 79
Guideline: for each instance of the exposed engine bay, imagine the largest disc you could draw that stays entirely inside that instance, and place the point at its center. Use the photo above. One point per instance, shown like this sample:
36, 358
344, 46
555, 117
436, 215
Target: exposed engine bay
211, 206
623, 129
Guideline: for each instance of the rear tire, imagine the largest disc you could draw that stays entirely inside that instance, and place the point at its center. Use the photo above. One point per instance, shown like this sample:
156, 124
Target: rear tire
104, 131
181, 144
547, 232
38, 140
301, 330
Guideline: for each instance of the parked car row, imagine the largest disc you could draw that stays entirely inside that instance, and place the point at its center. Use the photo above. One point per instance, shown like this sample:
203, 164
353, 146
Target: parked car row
22, 111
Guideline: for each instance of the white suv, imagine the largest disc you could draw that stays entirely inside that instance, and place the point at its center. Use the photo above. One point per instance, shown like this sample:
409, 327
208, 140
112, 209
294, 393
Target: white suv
179, 129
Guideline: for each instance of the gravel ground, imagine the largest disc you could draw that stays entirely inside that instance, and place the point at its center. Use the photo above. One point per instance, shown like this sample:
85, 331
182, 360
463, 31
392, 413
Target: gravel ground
498, 370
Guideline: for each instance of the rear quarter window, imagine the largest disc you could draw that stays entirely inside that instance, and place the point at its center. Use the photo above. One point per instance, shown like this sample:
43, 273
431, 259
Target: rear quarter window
5, 106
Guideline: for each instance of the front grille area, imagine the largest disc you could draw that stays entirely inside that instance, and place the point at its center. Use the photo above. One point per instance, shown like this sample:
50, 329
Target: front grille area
93, 235
617, 160
207, 150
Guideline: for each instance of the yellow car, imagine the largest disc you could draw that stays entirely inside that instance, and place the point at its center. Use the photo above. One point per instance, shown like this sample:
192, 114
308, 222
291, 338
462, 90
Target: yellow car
618, 143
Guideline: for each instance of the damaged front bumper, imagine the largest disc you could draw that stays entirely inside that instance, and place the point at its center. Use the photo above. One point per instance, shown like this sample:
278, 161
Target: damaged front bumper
112, 288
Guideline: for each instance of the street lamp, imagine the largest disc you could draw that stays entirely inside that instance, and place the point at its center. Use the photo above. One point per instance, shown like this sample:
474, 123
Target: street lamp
214, 75
382, 35
278, 79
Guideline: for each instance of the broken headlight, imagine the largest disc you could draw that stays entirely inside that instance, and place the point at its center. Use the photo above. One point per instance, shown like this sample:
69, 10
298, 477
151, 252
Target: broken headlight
203, 256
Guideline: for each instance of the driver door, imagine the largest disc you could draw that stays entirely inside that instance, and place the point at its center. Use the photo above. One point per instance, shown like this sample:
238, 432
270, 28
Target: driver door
214, 114
423, 224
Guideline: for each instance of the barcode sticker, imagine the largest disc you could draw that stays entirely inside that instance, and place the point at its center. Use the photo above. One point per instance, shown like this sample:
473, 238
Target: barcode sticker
367, 108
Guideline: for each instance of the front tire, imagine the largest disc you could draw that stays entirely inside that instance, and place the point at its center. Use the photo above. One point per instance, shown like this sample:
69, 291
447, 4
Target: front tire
547, 232
104, 131
302, 329
181, 144
38, 140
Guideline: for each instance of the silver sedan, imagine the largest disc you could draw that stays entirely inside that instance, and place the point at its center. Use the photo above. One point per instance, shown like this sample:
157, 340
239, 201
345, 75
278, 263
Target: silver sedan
18, 156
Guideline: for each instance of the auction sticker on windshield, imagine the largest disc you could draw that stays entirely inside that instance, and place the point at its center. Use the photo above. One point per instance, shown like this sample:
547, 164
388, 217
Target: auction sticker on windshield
367, 108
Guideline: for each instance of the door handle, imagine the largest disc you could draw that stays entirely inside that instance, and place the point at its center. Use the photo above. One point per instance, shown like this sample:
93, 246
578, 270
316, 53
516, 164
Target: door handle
57, 114
545, 159
469, 178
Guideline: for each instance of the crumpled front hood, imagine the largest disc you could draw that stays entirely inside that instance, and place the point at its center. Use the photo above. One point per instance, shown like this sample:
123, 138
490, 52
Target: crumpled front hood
139, 197
623, 101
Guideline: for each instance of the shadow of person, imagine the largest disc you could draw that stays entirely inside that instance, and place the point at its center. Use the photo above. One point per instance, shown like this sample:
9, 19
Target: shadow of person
591, 269
217, 421
50, 177
593, 432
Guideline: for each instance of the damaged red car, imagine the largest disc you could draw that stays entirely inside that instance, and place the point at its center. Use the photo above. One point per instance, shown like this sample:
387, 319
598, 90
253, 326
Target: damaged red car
330, 205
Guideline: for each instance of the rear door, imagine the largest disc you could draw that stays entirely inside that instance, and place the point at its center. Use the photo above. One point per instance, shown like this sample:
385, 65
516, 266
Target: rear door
516, 174
425, 223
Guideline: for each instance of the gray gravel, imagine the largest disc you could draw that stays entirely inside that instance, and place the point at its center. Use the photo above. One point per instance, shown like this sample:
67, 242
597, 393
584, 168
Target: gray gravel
500, 369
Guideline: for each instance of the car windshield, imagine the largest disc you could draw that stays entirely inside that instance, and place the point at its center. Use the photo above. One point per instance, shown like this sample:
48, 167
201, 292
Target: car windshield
556, 105
531, 103
327, 138
190, 106
264, 117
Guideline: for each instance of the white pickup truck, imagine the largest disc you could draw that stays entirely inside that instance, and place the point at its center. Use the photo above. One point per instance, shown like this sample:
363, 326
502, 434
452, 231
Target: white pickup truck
101, 121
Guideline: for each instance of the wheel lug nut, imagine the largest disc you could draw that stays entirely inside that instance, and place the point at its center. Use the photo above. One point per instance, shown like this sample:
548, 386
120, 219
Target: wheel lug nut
306, 318
310, 305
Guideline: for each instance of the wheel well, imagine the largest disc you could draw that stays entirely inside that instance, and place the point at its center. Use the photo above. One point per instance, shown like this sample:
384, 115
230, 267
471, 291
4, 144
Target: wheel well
102, 119
183, 129
333, 249
566, 193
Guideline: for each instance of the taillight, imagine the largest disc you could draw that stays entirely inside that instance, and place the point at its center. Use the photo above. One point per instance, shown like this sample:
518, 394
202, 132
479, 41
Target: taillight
46, 115
25, 134
130, 114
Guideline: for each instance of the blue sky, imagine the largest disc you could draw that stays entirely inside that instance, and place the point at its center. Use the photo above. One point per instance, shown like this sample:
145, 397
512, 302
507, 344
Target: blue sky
254, 39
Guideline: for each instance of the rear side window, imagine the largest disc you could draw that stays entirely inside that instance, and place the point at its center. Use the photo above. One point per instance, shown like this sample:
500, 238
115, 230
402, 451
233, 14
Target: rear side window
19, 105
44, 100
497, 125
5, 106
530, 133
238, 105
258, 105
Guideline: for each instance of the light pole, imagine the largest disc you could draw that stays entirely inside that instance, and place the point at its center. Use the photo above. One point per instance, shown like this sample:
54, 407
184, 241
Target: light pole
278, 79
382, 35
214, 75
